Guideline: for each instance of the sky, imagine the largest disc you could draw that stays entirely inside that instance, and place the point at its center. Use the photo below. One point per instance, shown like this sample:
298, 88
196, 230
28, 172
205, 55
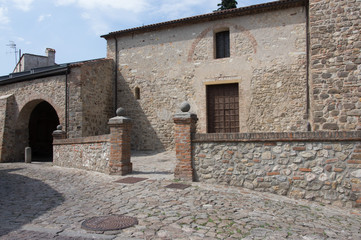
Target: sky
73, 27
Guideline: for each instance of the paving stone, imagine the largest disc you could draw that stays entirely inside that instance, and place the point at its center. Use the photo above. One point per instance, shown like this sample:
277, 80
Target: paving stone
44, 202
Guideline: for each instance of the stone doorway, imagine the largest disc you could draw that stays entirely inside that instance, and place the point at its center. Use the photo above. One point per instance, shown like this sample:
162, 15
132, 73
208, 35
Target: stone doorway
43, 121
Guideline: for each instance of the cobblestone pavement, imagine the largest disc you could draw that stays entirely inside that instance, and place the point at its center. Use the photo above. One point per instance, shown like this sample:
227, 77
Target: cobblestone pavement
39, 201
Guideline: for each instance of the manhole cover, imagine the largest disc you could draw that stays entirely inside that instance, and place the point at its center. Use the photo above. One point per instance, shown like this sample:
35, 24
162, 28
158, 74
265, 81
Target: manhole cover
178, 186
131, 180
109, 223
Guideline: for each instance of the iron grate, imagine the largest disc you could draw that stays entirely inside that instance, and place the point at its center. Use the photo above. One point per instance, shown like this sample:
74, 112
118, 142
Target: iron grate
131, 180
109, 223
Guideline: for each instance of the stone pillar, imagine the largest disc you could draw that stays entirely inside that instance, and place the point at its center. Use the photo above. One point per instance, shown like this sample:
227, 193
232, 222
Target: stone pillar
28, 155
120, 137
59, 133
185, 125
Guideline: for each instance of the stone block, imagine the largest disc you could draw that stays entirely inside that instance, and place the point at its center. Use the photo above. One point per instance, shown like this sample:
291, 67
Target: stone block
330, 126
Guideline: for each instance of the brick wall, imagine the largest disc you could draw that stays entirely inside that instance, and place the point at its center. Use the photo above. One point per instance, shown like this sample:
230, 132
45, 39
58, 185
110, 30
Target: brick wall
319, 166
184, 127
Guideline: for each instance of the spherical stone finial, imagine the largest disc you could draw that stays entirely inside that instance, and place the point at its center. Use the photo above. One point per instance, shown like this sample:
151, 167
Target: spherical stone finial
59, 128
120, 112
185, 106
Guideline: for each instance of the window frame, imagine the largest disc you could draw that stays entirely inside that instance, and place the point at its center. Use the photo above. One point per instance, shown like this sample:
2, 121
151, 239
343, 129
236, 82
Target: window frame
222, 46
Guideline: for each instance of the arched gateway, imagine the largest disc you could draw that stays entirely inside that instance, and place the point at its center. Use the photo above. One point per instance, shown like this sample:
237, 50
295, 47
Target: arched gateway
36, 122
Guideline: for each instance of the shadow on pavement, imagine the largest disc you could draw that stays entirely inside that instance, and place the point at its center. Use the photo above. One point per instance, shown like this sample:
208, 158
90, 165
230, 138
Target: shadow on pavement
23, 199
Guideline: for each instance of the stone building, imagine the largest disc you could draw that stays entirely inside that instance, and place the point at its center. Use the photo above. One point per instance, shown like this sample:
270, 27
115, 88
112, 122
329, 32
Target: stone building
283, 66
44, 94
30, 61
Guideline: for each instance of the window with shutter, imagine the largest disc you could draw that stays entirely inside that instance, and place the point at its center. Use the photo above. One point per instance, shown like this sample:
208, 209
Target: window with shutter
222, 44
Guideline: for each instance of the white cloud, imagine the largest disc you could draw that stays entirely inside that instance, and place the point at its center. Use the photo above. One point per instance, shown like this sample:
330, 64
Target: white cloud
106, 5
64, 2
185, 8
3, 16
42, 17
24, 5
98, 25
100, 13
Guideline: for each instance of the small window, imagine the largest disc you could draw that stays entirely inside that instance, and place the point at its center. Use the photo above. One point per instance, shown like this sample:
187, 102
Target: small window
222, 44
137, 93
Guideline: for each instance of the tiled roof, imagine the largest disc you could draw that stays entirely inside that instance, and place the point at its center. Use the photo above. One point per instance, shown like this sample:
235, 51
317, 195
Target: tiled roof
212, 16
77, 64
41, 72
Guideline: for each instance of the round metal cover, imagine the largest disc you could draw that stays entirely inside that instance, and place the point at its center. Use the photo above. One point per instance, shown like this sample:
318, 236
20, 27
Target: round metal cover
109, 223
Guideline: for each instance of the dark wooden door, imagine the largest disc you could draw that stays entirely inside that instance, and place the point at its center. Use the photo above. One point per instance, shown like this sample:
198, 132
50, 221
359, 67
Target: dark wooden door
223, 108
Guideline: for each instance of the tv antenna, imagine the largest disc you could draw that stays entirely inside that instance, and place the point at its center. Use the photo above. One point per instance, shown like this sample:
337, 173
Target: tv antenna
12, 45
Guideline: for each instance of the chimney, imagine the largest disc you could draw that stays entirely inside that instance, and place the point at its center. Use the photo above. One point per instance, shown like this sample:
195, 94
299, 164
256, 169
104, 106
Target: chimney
50, 53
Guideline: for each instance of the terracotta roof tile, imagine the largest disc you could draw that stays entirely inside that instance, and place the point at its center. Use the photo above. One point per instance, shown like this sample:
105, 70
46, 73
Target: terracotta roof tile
281, 4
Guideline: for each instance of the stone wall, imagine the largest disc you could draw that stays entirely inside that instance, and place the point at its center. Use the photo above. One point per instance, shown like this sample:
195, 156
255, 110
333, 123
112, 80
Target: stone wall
50, 89
90, 153
105, 153
91, 98
75, 107
98, 96
7, 139
82, 98
25, 97
268, 60
335, 31
319, 166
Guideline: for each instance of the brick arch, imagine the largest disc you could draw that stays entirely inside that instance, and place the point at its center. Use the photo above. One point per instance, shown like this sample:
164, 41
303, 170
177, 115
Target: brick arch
22, 123
204, 33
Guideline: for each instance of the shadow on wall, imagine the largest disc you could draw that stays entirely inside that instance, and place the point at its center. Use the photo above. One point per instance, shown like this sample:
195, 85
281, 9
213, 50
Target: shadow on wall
144, 137
9, 141
23, 199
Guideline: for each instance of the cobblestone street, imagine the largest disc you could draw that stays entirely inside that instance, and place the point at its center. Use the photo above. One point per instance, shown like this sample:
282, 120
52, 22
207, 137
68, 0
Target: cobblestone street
40, 201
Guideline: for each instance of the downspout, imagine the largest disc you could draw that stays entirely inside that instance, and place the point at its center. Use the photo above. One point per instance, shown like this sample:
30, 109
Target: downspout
116, 76
66, 102
309, 127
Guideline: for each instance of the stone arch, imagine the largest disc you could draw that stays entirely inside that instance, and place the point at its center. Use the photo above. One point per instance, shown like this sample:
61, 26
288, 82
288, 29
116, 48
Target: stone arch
36, 98
26, 123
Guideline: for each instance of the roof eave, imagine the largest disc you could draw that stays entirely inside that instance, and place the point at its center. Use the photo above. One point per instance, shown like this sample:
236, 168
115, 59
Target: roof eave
31, 76
271, 6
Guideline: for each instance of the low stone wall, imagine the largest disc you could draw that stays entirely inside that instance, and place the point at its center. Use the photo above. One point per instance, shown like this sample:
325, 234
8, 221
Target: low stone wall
90, 153
319, 166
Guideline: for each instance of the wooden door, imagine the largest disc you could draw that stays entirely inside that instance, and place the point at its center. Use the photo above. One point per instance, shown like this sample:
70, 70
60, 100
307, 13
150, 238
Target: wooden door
223, 108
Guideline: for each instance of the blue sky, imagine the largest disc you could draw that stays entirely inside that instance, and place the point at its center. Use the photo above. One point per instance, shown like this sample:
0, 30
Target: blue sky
73, 27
